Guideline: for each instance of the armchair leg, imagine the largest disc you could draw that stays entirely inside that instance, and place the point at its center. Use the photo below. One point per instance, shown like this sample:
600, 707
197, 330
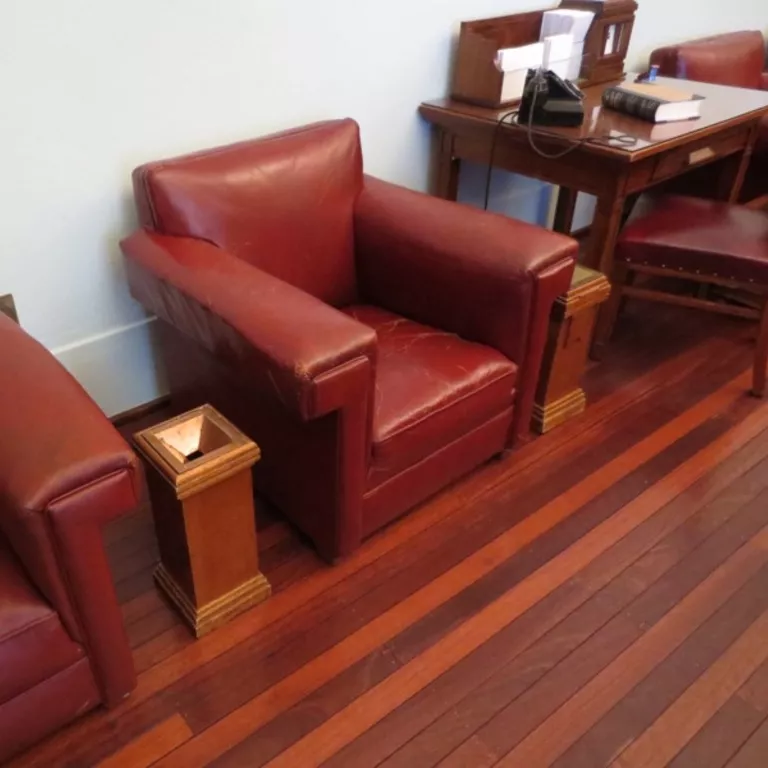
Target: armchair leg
761, 355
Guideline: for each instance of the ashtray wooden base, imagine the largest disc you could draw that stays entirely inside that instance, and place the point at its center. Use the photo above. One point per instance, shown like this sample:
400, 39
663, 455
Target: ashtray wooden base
199, 478
204, 618
559, 396
551, 415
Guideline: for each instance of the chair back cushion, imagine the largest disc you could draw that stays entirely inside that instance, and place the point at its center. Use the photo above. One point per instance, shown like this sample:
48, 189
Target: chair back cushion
736, 59
283, 203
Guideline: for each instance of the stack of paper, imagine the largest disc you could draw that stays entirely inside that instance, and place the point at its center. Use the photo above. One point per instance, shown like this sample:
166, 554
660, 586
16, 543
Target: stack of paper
565, 21
515, 63
524, 57
558, 53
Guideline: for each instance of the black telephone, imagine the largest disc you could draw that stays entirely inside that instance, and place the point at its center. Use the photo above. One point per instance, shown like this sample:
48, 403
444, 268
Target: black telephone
550, 100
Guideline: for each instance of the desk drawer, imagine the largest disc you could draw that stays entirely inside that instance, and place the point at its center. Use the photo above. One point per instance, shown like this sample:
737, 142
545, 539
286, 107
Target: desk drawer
682, 159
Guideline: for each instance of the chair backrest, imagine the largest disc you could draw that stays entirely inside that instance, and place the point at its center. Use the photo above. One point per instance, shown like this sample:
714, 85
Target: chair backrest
737, 59
283, 203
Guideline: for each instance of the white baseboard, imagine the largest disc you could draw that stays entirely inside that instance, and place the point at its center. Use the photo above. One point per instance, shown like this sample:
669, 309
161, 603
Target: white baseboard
120, 368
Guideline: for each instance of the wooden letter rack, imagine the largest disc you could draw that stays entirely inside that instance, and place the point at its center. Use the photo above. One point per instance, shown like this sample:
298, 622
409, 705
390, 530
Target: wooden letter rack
477, 80
614, 22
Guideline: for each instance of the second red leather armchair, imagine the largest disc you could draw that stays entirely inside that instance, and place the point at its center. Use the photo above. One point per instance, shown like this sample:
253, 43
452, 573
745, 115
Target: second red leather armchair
65, 472
737, 59
376, 342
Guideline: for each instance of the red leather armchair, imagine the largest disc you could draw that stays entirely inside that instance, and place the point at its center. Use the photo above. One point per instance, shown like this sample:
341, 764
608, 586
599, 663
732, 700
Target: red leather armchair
64, 472
376, 342
737, 59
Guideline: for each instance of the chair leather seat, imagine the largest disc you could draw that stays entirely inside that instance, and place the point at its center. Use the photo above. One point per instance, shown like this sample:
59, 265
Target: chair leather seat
704, 236
431, 388
33, 643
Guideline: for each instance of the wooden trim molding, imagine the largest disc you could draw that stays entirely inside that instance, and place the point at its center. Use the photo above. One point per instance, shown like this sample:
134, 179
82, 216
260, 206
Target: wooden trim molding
141, 411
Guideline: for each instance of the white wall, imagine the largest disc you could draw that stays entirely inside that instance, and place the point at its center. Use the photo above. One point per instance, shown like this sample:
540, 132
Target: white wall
91, 88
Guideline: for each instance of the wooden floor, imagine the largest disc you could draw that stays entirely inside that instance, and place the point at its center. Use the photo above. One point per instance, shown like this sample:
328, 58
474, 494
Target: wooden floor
599, 597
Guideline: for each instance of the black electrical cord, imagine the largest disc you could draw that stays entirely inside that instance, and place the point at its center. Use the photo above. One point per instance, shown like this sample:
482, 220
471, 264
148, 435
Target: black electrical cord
494, 141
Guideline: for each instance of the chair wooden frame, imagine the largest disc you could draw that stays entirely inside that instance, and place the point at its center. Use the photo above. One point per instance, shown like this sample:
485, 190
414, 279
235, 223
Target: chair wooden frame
623, 288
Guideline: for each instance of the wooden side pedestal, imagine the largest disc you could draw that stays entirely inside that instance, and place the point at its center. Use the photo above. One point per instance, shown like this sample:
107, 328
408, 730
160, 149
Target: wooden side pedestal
199, 477
559, 396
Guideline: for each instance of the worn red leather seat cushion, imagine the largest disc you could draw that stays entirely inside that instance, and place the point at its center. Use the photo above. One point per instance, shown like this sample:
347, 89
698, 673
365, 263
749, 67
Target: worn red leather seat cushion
431, 388
33, 644
704, 236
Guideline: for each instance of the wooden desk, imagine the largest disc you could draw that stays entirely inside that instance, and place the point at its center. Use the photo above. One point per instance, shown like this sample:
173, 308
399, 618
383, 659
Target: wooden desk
613, 174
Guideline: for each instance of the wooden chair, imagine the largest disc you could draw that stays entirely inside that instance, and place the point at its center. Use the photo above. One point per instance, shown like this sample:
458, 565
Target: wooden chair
701, 241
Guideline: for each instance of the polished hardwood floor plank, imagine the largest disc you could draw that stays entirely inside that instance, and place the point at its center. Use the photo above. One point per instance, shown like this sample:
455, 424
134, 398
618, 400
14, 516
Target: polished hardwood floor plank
563, 534
357, 679
722, 737
149, 626
136, 585
558, 676
683, 719
755, 691
754, 753
162, 647
634, 564
150, 746
146, 603
500, 550
644, 339
731, 726
119, 534
658, 711
593, 700
349, 723
275, 535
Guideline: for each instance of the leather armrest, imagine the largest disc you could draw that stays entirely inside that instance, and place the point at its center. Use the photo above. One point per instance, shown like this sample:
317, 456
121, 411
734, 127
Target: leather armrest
454, 267
283, 339
64, 472
764, 81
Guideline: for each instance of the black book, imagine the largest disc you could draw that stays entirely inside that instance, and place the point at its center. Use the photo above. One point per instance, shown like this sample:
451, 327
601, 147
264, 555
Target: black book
652, 102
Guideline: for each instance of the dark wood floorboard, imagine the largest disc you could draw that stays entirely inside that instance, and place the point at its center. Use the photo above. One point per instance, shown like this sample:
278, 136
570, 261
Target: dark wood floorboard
753, 752
733, 724
632, 565
598, 597
411, 643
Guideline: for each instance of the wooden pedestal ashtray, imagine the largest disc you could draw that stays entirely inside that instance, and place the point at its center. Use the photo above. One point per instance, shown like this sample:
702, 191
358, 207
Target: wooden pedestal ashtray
199, 478
559, 395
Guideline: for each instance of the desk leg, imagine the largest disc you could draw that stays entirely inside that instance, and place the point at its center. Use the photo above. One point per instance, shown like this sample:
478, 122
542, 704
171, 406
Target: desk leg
566, 207
609, 216
448, 166
735, 171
